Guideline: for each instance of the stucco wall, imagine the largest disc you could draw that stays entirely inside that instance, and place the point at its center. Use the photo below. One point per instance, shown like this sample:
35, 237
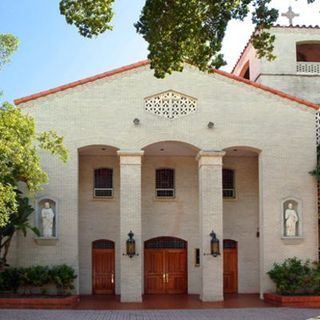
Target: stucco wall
282, 73
102, 113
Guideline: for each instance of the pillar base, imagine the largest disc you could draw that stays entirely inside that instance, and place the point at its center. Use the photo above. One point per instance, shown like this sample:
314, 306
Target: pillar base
130, 298
211, 298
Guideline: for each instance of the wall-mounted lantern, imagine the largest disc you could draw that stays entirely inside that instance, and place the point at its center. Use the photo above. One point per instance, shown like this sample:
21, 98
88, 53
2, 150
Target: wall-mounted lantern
214, 245
130, 246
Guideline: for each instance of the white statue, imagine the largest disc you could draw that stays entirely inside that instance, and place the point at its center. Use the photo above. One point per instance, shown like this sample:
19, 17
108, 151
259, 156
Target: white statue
47, 216
291, 219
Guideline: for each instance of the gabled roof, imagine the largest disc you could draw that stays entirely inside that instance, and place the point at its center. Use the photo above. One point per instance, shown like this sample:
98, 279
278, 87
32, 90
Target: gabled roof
269, 89
146, 62
82, 81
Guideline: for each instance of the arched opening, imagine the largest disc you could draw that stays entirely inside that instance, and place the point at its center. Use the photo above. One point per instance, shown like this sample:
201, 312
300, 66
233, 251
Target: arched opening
308, 51
98, 207
241, 219
171, 148
103, 267
170, 207
245, 72
165, 243
165, 266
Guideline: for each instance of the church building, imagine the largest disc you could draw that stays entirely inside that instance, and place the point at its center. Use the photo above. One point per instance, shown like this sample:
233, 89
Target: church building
192, 184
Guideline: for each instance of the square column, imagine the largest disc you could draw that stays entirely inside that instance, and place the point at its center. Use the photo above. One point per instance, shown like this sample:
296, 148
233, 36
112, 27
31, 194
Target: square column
130, 220
210, 218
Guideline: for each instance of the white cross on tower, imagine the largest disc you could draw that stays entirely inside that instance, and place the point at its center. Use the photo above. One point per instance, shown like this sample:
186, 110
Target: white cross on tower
290, 15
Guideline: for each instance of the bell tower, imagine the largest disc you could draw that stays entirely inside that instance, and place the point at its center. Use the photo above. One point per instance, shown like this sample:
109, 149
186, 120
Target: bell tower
296, 69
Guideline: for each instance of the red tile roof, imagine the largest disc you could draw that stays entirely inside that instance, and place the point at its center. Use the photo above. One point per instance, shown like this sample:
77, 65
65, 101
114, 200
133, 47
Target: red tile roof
146, 62
82, 81
269, 89
297, 26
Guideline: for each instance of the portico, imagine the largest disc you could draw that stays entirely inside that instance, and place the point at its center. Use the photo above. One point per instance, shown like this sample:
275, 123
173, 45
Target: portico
193, 211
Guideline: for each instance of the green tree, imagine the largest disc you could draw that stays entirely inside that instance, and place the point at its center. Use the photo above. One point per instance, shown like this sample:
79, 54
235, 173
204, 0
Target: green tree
19, 158
18, 221
8, 45
180, 31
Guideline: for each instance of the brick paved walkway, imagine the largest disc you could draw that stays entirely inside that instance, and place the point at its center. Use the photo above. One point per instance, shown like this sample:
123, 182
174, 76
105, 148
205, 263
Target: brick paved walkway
213, 314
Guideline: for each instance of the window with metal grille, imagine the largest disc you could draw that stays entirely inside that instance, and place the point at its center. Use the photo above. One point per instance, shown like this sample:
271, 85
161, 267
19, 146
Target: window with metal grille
103, 183
228, 184
165, 183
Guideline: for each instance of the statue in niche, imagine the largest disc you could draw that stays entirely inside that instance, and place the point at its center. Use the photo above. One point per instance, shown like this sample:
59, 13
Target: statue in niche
47, 216
291, 219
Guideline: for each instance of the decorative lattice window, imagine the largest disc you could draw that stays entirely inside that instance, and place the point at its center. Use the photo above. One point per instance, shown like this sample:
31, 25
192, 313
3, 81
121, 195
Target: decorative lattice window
165, 183
103, 183
228, 184
170, 105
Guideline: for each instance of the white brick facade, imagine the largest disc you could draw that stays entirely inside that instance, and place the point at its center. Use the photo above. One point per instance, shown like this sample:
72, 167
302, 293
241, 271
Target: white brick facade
274, 140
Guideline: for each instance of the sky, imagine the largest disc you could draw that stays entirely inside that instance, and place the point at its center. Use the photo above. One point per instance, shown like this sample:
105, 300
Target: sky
52, 53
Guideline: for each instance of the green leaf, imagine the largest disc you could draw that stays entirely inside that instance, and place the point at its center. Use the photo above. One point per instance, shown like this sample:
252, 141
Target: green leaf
90, 17
192, 31
8, 45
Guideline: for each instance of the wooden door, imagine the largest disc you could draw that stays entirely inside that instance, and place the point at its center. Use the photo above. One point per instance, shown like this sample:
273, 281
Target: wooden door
176, 271
154, 271
165, 267
230, 266
103, 268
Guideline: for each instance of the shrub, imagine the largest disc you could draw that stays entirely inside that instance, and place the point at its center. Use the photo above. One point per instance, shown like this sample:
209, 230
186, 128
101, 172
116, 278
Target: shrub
38, 276
10, 280
63, 277
13, 279
295, 277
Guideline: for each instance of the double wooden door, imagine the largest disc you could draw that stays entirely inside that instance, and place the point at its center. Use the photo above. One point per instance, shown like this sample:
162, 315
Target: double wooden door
103, 267
165, 271
230, 266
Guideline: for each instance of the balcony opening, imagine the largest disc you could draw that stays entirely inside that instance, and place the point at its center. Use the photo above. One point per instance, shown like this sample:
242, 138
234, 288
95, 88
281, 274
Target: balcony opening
308, 58
308, 52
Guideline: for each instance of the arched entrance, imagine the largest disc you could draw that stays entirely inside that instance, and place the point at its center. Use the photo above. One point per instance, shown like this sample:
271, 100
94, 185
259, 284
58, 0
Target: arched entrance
165, 266
103, 267
98, 193
230, 266
241, 219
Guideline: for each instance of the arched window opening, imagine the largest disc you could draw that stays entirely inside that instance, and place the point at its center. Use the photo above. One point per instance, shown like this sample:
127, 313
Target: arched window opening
103, 183
102, 244
165, 184
308, 52
165, 243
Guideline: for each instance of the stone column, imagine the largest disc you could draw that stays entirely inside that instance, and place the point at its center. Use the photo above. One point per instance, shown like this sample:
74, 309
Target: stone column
210, 218
130, 219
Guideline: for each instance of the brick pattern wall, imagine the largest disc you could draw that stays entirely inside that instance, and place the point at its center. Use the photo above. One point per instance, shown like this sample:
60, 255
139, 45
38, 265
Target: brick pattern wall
243, 116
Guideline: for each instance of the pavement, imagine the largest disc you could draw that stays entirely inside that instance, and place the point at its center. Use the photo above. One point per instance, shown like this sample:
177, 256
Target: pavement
212, 314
